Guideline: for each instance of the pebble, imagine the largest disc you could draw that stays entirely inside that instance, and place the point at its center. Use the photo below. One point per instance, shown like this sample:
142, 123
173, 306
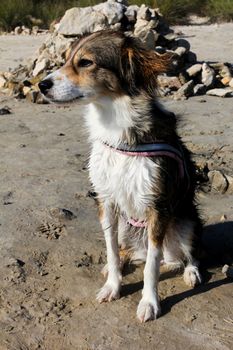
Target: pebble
2, 82
194, 70
5, 111
187, 89
218, 181
62, 213
199, 89
228, 271
208, 75
227, 92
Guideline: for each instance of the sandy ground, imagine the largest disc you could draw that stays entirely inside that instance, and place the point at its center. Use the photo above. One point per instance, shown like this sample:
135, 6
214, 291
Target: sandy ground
211, 42
51, 262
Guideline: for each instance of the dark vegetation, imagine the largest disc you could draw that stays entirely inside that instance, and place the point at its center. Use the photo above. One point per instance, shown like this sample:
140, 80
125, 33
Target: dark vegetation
44, 12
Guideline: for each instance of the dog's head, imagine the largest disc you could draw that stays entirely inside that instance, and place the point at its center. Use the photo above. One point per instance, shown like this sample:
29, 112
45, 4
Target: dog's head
105, 63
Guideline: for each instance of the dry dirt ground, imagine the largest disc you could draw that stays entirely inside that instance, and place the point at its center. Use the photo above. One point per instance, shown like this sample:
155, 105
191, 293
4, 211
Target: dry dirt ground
51, 260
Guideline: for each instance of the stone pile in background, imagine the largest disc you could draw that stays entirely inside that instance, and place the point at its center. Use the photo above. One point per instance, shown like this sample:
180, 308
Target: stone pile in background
190, 78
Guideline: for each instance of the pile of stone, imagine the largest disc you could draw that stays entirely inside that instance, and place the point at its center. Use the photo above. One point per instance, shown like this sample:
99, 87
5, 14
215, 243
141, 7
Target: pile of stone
190, 78
22, 30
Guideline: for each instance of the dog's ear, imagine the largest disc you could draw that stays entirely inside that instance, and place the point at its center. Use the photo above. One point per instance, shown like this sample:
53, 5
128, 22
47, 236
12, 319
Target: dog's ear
140, 68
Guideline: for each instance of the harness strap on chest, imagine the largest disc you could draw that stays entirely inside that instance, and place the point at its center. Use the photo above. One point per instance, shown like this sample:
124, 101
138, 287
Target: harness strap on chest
156, 149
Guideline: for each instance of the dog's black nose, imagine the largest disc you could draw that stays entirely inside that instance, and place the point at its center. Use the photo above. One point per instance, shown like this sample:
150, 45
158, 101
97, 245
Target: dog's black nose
45, 85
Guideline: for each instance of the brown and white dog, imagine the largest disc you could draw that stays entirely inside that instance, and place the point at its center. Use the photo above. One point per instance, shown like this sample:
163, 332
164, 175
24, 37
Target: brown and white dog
139, 167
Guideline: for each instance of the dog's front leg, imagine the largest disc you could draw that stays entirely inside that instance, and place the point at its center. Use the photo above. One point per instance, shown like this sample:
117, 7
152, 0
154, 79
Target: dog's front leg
149, 306
108, 219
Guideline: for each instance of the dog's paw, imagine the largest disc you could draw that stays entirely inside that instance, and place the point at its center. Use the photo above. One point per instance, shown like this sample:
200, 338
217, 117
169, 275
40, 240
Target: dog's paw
148, 310
192, 276
108, 293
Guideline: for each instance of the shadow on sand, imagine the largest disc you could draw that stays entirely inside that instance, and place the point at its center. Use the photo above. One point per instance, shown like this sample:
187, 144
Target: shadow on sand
218, 246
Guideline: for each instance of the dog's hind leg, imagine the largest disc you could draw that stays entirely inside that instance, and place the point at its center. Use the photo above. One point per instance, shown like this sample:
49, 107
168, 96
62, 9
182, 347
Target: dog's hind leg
149, 308
111, 288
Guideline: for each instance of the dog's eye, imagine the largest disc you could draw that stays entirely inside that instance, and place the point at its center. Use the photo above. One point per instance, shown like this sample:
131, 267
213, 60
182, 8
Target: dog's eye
85, 63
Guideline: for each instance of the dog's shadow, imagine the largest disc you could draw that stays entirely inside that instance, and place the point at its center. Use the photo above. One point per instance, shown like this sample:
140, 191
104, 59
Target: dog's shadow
218, 246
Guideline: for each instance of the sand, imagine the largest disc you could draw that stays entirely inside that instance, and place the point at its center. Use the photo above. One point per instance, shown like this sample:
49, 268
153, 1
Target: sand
51, 259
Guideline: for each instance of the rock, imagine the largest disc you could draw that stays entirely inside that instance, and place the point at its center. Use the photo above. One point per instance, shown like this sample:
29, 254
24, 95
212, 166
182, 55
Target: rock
228, 271
180, 51
223, 218
230, 184
32, 96
78, 21
2, 82
208, 75
186, 90
171, 82
194, 70
170, 36
5, 111
225, 71
161, 50
40, 67
226, 92
199, 89
191, 57
183, 43
18, 30
231, 83
112, 10
26, 90
226, 80
62, 213
143, 30
26, 31
183, 78
218, 181
131, 13
144, 13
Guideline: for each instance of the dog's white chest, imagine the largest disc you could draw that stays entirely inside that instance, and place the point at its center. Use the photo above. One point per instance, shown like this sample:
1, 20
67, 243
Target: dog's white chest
126, 181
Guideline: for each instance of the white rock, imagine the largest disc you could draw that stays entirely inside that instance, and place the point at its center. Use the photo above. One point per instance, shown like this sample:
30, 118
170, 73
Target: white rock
199, 89
112, 10
231, 83
131, 12
180, 51
40, 67
227, 92
194, 70
208, 75
144, 13
18, 30
78, 21
143, 30
2, 82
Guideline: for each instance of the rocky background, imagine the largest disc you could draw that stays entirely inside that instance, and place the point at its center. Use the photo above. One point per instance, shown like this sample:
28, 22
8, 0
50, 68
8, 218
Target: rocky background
51, 245
191, 77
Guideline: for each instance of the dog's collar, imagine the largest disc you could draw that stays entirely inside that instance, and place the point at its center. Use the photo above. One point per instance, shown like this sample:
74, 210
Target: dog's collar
155, 149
